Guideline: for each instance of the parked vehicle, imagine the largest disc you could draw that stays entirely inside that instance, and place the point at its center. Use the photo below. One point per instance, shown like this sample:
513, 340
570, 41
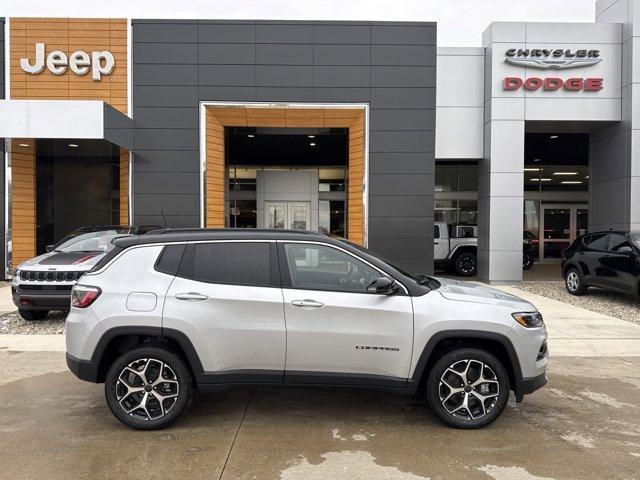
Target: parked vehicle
44, 282
609, 260
455, 248
164, 313
530, 249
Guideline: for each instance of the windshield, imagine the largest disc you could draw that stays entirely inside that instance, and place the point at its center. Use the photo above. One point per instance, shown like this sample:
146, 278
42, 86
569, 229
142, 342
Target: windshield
81, 241
404, 272
635, 237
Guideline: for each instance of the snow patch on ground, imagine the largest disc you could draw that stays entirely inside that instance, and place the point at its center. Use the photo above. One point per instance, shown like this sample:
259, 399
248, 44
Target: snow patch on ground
335, 433
577, 439
358, 465
604, 399
509, 473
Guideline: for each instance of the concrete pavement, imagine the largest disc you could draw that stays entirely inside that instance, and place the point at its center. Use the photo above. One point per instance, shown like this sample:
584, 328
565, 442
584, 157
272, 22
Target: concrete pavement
583, 425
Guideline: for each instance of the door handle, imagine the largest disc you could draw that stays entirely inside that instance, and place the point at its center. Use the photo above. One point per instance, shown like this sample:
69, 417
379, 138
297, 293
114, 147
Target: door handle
191, 296
307, 303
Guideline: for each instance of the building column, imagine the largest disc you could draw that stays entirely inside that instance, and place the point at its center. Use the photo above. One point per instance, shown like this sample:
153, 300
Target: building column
501, 202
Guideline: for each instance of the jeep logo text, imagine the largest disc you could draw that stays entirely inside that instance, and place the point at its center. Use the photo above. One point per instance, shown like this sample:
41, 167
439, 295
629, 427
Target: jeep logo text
100, 63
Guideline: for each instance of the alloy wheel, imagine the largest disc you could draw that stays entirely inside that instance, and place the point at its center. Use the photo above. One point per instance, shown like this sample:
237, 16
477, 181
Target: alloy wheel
469, 389
573, 282
467, 264
147, 389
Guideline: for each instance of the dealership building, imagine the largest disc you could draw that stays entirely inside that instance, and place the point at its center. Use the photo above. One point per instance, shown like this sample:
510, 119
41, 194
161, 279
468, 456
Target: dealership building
367, 130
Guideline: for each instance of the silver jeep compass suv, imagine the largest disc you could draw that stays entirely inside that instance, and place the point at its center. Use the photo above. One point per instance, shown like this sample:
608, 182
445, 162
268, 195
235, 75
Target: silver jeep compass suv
164, 313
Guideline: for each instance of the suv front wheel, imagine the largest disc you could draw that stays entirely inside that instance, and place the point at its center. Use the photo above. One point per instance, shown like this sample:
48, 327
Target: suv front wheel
465, 264
573, 282
468, 388
148, 388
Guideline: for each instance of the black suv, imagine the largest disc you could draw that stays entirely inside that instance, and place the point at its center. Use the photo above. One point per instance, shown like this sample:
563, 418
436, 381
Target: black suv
609, 260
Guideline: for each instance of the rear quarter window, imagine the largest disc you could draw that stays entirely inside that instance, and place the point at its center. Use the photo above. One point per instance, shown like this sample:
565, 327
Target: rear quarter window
169, 260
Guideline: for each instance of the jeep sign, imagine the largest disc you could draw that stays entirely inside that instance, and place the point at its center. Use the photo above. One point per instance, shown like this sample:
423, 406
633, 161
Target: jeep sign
100, 63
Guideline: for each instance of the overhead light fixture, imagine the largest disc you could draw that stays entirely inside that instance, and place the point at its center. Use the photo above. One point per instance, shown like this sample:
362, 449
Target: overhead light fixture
540, 180
73, 145
534, 169
311, 136
251, 135
312, 144
536, 159
23, 144
553, 137
565, 173
587, 176
571, 182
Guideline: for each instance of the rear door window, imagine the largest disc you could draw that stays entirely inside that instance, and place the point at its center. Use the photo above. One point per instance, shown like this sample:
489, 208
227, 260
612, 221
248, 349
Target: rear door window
229, 263
436, 231
597, 241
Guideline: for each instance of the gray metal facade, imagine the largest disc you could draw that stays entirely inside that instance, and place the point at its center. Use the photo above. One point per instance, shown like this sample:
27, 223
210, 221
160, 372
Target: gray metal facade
389, 65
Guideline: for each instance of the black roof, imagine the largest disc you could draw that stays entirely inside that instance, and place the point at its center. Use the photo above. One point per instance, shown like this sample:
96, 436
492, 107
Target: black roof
195, 234
621, 232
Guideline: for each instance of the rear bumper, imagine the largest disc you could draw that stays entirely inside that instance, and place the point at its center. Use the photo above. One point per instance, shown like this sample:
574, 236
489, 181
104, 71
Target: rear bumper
41, 301
86, 370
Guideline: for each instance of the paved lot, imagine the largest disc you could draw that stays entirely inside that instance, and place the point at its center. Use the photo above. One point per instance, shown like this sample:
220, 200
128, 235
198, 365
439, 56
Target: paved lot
584, 425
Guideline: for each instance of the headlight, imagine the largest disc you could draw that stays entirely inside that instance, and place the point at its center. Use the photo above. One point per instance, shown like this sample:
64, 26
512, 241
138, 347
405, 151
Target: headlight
528, 319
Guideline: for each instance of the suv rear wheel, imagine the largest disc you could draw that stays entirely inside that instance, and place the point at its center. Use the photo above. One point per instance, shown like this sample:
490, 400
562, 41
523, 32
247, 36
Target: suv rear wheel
465, 264
468, 388
31, 315
148, 388
573, 282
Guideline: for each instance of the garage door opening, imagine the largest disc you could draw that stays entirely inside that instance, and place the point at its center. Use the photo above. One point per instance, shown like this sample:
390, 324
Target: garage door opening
287, 178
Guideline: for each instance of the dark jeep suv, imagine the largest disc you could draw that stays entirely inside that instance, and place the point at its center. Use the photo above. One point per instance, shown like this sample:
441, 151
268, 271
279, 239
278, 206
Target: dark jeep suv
609, 260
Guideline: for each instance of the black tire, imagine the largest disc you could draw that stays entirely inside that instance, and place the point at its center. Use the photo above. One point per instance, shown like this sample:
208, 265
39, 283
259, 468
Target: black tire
573, 282
174, 370
473, 417
31, 315
527, 261
465, 264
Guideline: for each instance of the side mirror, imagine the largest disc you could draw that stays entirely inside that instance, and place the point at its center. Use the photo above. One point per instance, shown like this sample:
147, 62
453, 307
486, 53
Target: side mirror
383, 286
49, 248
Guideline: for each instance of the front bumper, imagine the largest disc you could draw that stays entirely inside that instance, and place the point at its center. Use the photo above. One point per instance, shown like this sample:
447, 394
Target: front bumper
41, 299
530, 385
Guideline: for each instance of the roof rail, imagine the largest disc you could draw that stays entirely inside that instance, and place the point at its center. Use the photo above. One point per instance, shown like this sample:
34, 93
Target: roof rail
162, 231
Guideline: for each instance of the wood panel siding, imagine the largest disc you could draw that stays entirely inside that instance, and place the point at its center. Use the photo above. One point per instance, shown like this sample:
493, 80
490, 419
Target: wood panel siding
69, 35
286, 117
23, 187
124, 186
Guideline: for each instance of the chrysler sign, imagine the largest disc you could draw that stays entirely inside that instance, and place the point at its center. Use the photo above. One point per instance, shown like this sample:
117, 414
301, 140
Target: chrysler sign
79, 62
557, 58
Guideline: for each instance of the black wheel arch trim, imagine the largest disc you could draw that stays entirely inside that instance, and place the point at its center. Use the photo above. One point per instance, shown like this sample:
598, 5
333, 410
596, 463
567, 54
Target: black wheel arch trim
90, 370
425, 356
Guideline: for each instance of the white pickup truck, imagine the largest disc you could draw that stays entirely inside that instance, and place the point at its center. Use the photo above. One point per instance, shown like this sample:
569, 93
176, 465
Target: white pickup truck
455, 247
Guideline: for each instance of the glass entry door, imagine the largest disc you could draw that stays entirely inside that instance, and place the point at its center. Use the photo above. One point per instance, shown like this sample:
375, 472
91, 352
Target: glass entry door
287, 215
559, 227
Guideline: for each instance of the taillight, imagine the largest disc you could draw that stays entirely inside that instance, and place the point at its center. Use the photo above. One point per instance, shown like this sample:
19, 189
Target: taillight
83, 295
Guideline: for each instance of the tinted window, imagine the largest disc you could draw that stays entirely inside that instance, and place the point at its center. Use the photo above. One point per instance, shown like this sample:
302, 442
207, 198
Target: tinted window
597, 241
436, 231
246, 263
619, 243
317, 267
169, 259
